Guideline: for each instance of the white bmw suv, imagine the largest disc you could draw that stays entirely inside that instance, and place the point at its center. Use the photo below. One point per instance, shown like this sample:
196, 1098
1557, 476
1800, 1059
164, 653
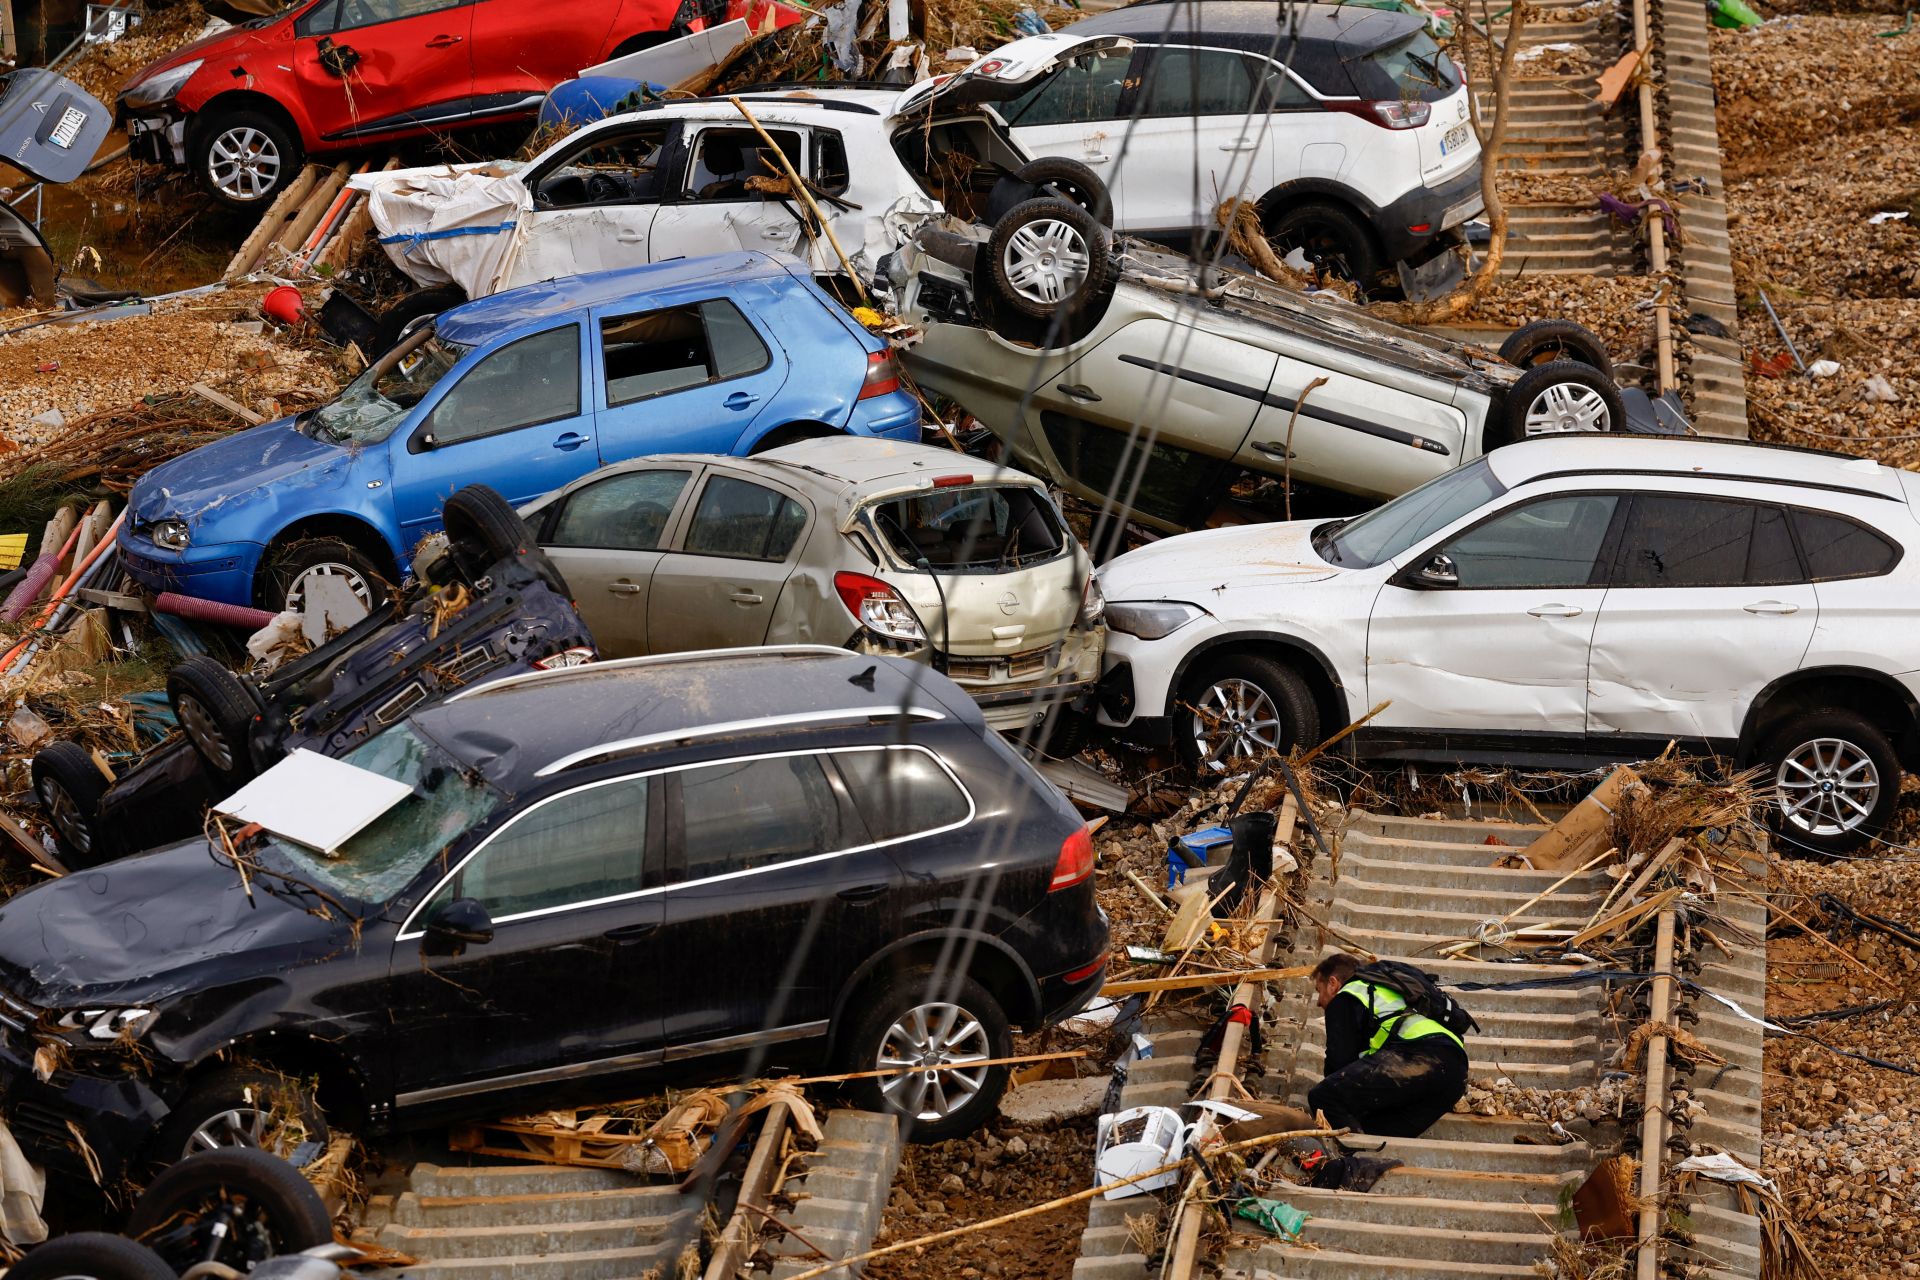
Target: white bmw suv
1563, 603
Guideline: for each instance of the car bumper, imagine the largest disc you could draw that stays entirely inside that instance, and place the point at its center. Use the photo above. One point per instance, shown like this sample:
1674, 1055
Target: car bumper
894, 416
1136, 681
1440, 209
1064, 994
157, 138
114, 1116
221, 571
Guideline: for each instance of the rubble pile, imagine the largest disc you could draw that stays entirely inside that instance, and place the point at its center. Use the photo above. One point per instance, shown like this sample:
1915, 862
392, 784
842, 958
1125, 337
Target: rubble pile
1592, 1104
1617, 308
102, 68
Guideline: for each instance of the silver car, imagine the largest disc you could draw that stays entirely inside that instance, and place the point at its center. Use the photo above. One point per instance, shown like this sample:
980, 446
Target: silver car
871, 545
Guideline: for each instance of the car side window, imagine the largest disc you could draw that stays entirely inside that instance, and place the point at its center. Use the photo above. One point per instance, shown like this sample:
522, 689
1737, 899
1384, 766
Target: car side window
525, 383
1185, 81
727, 161
578, 847
744, 814
1553, 542
1674, 540
901, 791
1772, 560
1279, 91
745, 521
1836, 547
626, 512
610, 168
319, 20
1087, 88
657, 352
830, 173
367, 13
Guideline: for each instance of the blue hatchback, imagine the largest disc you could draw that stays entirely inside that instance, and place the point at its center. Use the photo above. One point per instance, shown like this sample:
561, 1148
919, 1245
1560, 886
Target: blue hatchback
523, 391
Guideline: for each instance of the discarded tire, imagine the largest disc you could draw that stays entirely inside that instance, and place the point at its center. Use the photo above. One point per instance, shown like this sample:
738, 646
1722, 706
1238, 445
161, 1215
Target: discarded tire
1561, 397
235, 1206
483, 528
215, 712
1049, 258
1539, 341
91, 1255
69, 787
430, 301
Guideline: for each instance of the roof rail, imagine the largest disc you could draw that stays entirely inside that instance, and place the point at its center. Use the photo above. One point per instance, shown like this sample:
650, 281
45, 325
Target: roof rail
792, 720
649, 660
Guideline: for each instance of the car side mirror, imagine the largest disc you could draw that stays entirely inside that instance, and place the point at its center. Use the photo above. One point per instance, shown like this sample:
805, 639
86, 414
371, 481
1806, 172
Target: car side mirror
426, 441
461, 923
1438, 573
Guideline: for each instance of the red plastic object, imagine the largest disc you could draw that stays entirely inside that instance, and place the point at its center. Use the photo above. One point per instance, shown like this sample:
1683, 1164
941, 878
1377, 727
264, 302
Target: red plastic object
284, 304
47, 366
233, 615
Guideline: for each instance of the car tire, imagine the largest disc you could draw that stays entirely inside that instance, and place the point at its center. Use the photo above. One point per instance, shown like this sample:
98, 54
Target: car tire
69, 787
228, 1110
1245, 705
1539, 341
1050, 257
430, 301
216, 713
243, 159
1330, 236
1067, 179
1817, 756
483, 529
912, 1010
290, 565
282, 1214
1561, 397
91, 1255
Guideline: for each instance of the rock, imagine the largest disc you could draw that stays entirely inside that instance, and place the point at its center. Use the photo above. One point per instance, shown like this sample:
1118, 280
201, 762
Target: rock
1878, 388
952, 1182
1017, 1146
1052, 1101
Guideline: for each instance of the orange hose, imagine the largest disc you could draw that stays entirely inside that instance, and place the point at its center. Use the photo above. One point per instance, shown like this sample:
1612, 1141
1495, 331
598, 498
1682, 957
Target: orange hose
60, 592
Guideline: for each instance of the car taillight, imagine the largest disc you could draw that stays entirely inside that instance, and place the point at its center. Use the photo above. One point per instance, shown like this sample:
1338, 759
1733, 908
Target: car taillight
878, 607
1075, 863
1391, 114
577, 656
883, 375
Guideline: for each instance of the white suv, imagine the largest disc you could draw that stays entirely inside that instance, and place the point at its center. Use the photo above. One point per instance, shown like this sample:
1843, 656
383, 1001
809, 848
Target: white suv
1566, 603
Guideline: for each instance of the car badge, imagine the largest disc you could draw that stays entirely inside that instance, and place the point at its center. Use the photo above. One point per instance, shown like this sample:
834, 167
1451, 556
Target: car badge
1009, 602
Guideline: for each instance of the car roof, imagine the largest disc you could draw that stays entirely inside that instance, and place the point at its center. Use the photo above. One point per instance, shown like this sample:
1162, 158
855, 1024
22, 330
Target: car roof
487, 318
1704, 457
840, 470
523, 728
1252, 25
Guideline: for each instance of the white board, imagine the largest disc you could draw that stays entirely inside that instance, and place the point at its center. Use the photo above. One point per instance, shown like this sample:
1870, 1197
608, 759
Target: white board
314, 800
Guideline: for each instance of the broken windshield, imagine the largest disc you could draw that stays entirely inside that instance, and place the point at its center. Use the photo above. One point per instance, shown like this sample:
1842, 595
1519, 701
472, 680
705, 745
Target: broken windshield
384, 857
374, 403
1386, 532
971, 529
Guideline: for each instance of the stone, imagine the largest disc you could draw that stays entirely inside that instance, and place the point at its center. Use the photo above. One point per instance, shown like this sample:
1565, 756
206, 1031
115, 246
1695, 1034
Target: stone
1053, 1101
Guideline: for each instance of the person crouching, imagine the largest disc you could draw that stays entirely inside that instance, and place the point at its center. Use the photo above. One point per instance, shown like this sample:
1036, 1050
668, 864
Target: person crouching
1390, 1072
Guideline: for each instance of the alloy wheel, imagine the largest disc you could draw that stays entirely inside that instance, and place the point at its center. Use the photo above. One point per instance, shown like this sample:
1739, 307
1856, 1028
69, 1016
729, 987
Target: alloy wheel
1047, 261
244, 163
236, 1127
1826, 786
1234, 720
346, 574
1566, 408
942, 1045
64, 812
204, 731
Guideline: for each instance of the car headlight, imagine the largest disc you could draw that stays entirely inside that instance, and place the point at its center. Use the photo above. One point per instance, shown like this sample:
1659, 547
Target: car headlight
1092, 603
109, 1024
161, 88
172, 534
1151, 619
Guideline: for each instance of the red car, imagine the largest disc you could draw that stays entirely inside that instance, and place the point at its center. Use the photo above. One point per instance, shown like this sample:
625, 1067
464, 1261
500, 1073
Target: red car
242, 109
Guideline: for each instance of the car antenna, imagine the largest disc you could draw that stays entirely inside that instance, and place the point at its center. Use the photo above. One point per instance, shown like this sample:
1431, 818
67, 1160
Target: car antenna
864, 679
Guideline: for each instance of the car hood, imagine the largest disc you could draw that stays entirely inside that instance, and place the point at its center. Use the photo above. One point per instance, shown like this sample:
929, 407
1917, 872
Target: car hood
1201, 567
147, 927
228, 470
233, 41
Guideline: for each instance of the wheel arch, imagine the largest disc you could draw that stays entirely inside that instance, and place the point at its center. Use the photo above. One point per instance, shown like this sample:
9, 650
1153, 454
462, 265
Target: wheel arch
355, 530
791, 433
1320, 190
1329, 694
1877, 696
341, 1090
230, 100
992, 963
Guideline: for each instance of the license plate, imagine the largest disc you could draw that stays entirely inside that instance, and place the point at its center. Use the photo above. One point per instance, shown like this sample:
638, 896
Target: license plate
1455, 138
69, 127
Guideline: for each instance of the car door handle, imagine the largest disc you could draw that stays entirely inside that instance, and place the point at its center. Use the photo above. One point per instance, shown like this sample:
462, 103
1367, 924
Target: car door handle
570, 440
631, 932
444, 42
740, 400
745, 597
1278, 452
624, 588
862, 892
1079, 391
1239, 144
629, 237
1555, 611
1096, 157
1779, 607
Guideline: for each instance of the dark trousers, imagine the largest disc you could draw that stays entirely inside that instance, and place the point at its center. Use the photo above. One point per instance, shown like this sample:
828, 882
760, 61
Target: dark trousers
1392, 1093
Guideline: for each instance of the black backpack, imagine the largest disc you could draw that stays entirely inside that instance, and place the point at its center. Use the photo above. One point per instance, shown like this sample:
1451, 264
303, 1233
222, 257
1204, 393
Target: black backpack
1421, 991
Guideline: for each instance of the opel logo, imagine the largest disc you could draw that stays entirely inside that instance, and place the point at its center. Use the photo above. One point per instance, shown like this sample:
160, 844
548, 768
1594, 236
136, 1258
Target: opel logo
1009, 602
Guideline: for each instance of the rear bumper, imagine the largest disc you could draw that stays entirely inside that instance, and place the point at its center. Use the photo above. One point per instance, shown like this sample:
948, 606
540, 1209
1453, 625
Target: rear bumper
1440, 209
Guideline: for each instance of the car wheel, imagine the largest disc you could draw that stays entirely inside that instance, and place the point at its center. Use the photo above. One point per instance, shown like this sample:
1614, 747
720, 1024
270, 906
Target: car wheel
1539, 341
1065, 179
216, 713
483, 529
397, 319
1049, 256
1836, 780
236, 1107
1242, 708
294, 566
91, 1255
1329, 236
1561, 397
69, 786
237, 1207
939, 1024
244, 159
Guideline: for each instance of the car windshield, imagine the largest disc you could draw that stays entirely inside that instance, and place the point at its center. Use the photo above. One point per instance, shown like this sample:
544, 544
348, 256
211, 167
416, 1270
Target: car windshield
1385, 532
374, 403
385, 856
973, 529
1413, 70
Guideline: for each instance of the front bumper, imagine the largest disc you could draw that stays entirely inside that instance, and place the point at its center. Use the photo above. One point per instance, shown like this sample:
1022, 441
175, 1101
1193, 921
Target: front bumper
1440, 209
221, 571
156, 138
113, 1115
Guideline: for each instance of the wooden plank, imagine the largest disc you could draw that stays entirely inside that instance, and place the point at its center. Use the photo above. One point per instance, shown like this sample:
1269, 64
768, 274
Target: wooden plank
113, 599
248, 255
1614, 80
756, 1184
1198, 980
226, 402
312, 209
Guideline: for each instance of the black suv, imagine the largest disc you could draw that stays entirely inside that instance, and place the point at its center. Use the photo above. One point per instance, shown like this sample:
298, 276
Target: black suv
697, 863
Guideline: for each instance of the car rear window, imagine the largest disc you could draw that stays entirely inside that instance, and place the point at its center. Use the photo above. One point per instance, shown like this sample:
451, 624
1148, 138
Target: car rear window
1412, 70
1838, 548
982, 528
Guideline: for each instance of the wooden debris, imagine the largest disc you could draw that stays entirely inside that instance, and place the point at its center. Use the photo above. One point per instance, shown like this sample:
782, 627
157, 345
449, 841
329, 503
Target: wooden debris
1587, 829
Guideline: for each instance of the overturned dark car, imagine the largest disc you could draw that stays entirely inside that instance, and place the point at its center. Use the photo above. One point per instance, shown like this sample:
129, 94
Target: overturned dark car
491, 605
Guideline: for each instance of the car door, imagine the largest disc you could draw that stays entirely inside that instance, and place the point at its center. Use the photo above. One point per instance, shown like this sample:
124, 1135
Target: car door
730, 198
514, 420
690, 378
1502, 648
594, 202
1707, 605
718, 584
606, 539
1197, 139
522, 48
562, 882
772, 885
368, 67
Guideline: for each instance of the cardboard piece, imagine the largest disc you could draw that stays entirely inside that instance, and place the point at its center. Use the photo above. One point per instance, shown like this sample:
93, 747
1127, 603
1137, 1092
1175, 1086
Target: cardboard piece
1603, 1204
1585, 831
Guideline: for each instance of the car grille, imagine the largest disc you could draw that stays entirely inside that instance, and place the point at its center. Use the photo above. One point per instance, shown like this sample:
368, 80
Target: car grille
43, 1133
17, 1013
1009, 666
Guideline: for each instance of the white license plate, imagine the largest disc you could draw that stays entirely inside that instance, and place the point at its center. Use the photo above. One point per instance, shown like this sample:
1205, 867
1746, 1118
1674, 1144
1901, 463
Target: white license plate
1455, 138
69, 127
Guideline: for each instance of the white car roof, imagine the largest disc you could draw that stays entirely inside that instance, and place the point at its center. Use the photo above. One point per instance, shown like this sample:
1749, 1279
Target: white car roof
1707, 458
